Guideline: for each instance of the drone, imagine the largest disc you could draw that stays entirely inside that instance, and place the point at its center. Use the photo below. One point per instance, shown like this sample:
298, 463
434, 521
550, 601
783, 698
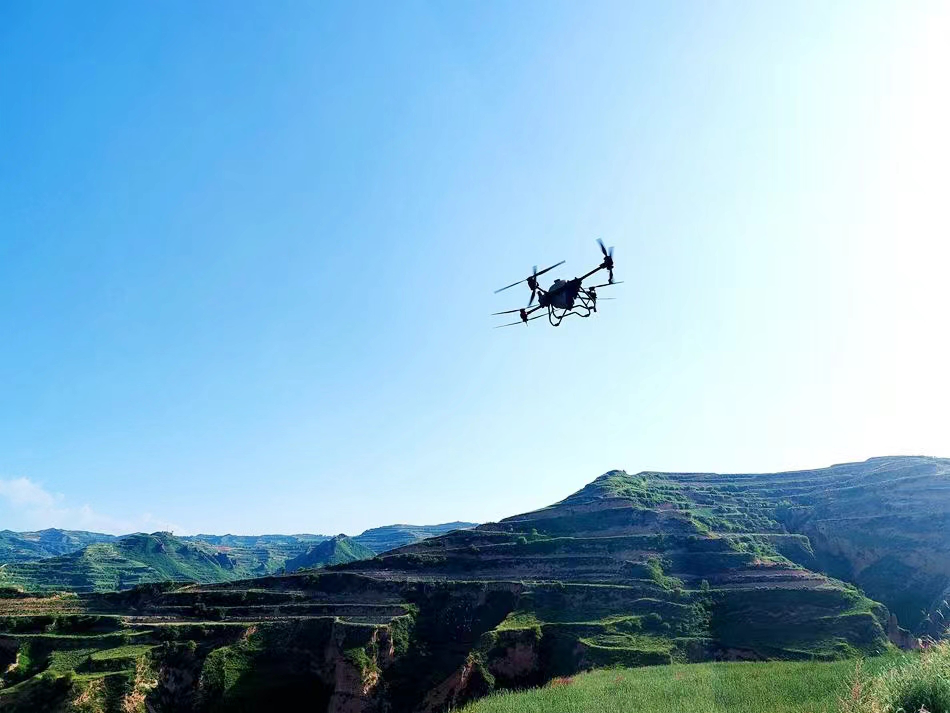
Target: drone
564, 297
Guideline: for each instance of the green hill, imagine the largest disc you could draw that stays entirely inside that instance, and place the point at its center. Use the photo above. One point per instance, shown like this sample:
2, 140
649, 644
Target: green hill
382, 539
336, 550
31, 546
124, 563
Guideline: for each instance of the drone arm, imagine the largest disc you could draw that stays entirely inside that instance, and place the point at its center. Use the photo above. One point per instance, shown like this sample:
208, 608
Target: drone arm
592, 272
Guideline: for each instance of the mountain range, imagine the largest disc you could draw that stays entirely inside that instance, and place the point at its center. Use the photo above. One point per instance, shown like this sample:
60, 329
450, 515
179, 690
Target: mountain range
632, 569
78, 561
31, 546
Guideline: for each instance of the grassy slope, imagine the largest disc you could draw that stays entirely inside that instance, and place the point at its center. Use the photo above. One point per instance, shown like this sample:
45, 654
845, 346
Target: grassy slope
776, 687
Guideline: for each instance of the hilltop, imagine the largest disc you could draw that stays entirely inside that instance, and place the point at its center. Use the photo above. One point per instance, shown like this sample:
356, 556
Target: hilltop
633, 569
336, 550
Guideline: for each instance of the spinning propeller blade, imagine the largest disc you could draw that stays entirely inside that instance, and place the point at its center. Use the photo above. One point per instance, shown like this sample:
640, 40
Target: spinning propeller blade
533, 276
548, 269
606, 284
608, 260
605, 251
512, 324
511, 285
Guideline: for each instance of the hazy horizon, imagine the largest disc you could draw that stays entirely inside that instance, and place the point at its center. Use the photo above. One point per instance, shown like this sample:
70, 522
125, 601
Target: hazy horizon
9, 494
249, 253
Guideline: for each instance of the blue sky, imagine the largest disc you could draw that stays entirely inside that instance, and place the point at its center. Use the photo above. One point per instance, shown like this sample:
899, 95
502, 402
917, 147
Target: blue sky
248, 252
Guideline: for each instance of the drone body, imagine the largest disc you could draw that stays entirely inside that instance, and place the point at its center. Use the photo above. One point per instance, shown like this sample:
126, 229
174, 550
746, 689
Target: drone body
564, 297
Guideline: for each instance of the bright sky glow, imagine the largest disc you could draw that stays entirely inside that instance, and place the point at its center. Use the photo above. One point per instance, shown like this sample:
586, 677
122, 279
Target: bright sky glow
248, 252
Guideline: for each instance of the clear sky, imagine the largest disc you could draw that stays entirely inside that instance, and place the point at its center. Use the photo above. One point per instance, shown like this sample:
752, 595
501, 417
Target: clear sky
247, 252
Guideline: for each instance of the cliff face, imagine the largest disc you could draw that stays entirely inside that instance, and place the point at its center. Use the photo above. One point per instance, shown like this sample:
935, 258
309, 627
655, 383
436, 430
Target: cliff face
886, 527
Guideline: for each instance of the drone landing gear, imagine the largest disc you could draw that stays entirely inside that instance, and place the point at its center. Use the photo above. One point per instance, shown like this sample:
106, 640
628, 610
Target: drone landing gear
555, 317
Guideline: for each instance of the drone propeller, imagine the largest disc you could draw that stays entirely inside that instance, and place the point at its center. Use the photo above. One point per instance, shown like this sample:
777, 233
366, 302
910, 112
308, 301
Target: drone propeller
548, 269
608, 260
606, 284
531, 278
512, 324
507, 311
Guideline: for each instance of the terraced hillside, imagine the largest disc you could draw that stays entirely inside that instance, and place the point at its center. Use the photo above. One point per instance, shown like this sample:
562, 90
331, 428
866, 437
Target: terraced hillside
883, 525
642, 578
269, 643
631, 570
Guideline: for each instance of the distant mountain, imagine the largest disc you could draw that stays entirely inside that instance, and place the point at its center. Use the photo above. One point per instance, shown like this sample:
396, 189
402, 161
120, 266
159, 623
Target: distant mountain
336, 550
123, 563
257, 540
382, 539
79, 561
260, 554
31, 546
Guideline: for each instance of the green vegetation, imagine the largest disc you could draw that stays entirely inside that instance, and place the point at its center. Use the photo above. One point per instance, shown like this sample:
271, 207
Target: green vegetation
911, 685
775, 687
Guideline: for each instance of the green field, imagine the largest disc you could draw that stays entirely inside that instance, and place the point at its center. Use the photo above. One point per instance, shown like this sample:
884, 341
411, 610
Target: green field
773, 687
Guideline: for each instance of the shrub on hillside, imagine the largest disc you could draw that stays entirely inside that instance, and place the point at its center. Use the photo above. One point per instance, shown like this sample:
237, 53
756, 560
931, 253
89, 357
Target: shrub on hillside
917, 685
